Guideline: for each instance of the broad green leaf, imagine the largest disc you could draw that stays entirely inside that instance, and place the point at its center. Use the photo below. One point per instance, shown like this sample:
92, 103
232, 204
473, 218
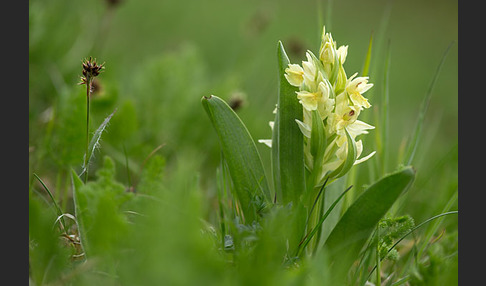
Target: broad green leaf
241, 155
358, 222
288, 141
95, 141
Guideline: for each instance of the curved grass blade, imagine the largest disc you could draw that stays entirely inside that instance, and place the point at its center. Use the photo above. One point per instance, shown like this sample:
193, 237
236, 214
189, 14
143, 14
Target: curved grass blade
241, 155
412, 145
58, 209
432, 229
288, 156
95, 141
358, 222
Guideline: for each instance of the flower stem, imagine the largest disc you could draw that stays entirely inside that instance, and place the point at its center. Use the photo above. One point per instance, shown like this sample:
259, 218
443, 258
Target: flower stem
88, 91
378, 260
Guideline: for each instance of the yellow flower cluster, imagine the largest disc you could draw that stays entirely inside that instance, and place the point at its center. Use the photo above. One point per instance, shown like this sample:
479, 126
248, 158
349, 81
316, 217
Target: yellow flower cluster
324, 86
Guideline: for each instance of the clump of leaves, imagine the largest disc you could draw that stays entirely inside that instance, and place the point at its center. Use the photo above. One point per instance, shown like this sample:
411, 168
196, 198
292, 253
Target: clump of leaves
390, 230
438, 266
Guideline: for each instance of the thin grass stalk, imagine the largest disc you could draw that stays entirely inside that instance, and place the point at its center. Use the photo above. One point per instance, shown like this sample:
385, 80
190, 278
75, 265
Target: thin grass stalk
384, 23
220, 189
366, 64
378, 261
434, 227
86, 157
127, 167
412, 147
384, 111
308, 237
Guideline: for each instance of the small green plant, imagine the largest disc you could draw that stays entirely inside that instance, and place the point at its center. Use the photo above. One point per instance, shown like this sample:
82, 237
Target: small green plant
314, 144
90, 71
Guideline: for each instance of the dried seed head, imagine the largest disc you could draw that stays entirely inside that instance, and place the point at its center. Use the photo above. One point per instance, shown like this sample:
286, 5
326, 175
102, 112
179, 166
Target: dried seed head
90, 70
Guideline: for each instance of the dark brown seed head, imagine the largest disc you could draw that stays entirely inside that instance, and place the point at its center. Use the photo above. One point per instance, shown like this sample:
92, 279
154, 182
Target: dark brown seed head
90, 70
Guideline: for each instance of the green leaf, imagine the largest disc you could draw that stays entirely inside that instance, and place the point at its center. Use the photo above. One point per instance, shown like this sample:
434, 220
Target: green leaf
241, 155
288, 141
350, 158
318, 144
95, 141
354, 228
366, 65
318, 138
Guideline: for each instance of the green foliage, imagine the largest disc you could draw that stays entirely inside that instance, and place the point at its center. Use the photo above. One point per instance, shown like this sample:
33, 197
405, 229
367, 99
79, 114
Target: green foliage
97, 205
439, 266
390, 230
69, 128
358, 222
48, 258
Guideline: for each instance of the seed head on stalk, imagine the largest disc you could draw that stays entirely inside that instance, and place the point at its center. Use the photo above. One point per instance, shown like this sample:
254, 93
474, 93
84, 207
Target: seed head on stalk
90, 70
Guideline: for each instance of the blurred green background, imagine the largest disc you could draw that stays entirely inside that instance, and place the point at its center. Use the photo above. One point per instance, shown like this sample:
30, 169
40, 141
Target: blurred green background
162, 56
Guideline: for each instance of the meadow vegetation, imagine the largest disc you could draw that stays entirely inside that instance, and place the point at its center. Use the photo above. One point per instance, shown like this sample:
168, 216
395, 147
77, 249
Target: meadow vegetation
149, 172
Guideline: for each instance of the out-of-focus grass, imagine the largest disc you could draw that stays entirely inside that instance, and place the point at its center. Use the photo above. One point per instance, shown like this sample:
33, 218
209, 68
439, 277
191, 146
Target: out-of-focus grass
163, 56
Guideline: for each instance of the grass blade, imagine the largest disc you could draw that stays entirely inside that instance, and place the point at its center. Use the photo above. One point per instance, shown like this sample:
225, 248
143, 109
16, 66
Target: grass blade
323, 218
384, 112
412, 146
241, 155
366, 65
58, 209
358, 222
435, 226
